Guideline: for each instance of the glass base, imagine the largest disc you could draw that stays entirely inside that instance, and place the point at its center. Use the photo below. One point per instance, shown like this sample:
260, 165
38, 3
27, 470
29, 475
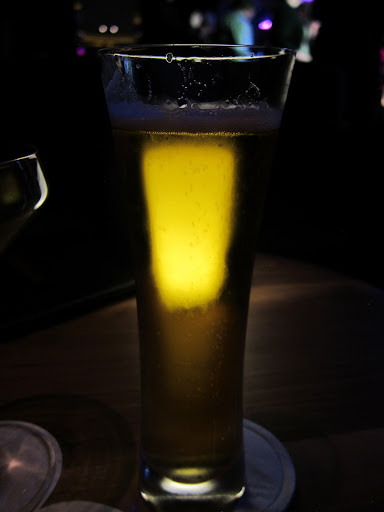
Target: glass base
269, 476
170, 494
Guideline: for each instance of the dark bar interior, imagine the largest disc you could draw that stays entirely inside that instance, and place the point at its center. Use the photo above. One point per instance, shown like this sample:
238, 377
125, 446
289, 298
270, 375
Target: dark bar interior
69, 338
325, 198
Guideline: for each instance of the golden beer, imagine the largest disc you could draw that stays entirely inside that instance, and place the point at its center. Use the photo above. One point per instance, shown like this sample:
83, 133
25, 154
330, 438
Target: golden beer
196, 201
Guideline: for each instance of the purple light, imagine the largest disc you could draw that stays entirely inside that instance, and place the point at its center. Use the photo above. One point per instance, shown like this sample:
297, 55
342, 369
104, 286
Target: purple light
80, 51
265, 25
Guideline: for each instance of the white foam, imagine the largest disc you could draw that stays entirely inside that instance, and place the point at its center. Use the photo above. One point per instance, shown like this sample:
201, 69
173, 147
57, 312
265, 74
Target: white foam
206, 117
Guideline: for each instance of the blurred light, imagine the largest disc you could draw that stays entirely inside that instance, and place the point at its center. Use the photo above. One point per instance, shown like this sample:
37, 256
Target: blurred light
80, 51
137, 19
265, 25
196, 19
103, 29
114, 29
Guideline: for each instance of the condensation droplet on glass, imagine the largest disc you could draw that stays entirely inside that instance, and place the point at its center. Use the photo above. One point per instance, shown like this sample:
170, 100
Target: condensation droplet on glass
169, 57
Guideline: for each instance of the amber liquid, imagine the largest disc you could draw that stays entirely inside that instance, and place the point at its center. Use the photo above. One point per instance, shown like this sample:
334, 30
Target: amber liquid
195, 204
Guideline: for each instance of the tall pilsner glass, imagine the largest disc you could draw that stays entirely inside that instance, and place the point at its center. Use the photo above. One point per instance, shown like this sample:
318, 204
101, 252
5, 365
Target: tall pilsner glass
195, 130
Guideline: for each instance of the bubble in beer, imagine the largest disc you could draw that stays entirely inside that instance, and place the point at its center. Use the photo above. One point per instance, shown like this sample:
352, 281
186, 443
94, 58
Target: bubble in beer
169, 57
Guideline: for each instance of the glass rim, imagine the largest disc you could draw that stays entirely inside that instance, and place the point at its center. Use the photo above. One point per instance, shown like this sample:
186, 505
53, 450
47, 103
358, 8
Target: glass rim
25, 151
135, 51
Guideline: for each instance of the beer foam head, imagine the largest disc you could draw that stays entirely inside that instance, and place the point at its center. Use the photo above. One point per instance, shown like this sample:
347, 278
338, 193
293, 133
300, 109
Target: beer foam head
195, 117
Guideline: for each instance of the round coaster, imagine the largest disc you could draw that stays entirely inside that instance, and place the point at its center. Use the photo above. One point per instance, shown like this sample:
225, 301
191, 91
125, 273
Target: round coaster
78, 506
270, 474
30, 465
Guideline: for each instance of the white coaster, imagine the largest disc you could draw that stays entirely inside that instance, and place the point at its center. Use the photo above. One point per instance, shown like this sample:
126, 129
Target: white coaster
270, 475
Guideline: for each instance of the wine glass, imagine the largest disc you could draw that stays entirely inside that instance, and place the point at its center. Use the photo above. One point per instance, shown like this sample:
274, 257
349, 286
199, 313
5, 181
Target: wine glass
23, 189
30, 458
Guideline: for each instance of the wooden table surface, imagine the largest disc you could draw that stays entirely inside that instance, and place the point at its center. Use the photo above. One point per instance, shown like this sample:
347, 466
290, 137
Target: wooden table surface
314, 377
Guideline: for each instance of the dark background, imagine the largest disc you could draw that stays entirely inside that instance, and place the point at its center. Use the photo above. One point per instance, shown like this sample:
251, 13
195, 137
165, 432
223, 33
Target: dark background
325, 200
